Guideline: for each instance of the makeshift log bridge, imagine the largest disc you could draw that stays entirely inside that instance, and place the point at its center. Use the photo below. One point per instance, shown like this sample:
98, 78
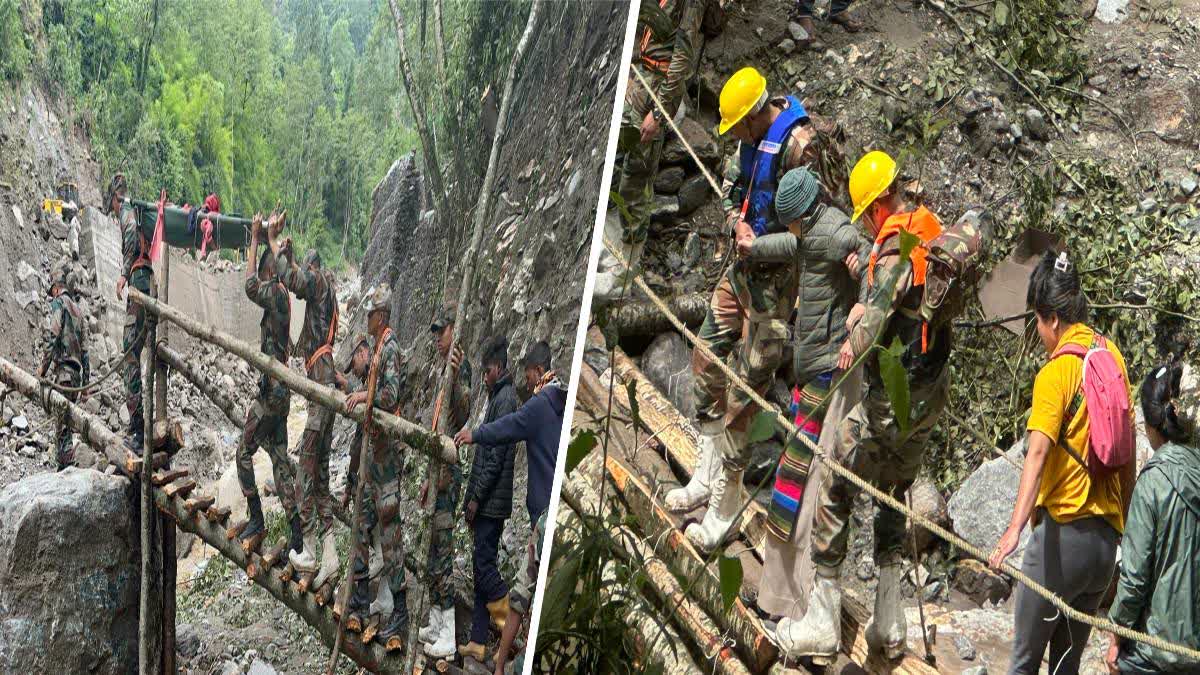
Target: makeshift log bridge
175, 496
636, 468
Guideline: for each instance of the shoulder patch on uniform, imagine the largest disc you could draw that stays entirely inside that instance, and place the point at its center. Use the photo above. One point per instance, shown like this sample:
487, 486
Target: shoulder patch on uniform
768, 147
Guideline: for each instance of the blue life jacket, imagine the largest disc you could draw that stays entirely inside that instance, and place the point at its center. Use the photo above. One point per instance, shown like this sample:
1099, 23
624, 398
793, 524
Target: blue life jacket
759, 165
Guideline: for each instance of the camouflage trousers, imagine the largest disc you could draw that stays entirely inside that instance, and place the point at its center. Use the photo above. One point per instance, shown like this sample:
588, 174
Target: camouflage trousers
312, 464
266, 427
521, 598
381, 515
870, 443
748, 314
640, 165
64, 439
441, 541
133, 338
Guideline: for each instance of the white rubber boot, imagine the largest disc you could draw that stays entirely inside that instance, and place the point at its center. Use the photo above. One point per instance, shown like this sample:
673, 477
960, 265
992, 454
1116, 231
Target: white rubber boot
723, 507
431, 631
697, 491
306, 561
819, 634
382, 604
330, 564
887, 632
445, 646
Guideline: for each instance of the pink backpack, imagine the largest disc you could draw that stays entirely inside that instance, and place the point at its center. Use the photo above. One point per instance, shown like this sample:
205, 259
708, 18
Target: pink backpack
1104, 389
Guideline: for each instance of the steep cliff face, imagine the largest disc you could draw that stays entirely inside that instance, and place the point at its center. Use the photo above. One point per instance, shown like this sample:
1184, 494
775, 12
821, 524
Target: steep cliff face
534, 254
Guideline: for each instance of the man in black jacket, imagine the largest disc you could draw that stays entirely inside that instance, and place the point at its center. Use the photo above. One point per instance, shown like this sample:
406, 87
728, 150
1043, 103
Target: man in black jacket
489, 502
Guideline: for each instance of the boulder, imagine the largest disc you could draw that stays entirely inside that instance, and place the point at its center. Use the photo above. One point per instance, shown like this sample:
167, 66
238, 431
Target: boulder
669, 180
693, 194
702, 141
982, 506
69, 574
979, 582
667, 363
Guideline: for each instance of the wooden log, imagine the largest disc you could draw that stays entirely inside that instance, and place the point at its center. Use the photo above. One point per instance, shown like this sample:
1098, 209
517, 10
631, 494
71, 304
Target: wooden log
273, 553
251, 545
643, 318
161, 478
287, 573
192, 505
168, 436
371, 630
133, 463
221, 398
306, 579
678, 437
180, 488
217, 515
419, 438
325, 592
236, 529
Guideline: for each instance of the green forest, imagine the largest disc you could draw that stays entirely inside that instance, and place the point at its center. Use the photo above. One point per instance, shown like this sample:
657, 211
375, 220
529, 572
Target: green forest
298, 102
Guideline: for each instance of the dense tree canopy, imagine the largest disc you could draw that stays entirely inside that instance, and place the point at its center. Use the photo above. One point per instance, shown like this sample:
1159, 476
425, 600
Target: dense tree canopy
295, 101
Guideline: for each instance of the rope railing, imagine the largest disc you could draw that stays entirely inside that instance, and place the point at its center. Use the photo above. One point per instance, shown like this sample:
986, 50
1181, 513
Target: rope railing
1058, 602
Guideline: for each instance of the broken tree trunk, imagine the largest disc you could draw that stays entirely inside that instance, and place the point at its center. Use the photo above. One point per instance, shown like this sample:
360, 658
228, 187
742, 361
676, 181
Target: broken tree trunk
482, 212
149, 619
416, 436
218, 396
99, 436
433, 170
643, 318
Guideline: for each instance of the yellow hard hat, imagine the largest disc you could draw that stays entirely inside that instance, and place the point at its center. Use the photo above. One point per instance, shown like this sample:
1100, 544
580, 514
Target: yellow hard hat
870, 177
744, 92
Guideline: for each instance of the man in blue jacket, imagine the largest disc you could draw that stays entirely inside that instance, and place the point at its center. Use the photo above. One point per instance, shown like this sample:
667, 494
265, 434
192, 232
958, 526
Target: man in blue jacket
539, 424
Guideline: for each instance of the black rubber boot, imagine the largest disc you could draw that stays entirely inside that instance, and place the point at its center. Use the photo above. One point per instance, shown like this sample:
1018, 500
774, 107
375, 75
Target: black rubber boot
395, 630
135, 442
255, 524
296, 543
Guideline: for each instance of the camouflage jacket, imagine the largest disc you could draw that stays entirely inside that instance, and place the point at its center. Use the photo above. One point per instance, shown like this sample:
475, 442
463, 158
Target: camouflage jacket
460, 399
135, 248
275, 324
318, 291
892, 311
391, 374
673, 55
64, 339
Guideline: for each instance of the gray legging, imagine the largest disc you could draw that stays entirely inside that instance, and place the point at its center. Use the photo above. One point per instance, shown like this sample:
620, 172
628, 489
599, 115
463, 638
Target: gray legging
1075, 560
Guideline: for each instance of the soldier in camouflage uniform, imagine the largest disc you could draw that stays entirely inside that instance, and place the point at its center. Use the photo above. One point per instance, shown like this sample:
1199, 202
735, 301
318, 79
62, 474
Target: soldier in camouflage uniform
439, 633
266, 420
667, 59
904, 303
64, 352
387, 465
136, 271
316, 287
367, 558
749, 310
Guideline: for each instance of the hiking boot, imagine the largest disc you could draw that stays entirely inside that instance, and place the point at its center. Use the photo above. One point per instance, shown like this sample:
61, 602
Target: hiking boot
697, 491
382, 604
430, 631
305, 560
135, 442
443, 646
498, 611
330, 564
887, 631
360, 599
473, 650
255, 524
296, 542
847, 22
393, 630
818, 635
723, 505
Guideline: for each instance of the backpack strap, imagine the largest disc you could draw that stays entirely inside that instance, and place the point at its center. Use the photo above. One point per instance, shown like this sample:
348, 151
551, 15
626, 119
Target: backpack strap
1073, 349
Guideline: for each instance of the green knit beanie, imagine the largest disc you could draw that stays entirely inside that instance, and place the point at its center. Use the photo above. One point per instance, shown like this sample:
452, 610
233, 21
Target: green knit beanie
795, 196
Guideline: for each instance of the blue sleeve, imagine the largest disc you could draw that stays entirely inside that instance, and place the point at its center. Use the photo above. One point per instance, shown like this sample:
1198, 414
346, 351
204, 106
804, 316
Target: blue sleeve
511, 428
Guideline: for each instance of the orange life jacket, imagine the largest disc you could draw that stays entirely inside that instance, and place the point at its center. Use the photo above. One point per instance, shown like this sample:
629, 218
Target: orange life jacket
661, 65
327, 347
926, 227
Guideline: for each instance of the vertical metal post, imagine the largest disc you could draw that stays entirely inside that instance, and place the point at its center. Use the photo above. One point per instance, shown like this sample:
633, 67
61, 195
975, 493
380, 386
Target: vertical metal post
166, 524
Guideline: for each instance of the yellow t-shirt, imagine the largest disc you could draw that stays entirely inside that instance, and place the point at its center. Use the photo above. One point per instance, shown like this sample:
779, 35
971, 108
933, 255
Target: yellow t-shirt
1067, 491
